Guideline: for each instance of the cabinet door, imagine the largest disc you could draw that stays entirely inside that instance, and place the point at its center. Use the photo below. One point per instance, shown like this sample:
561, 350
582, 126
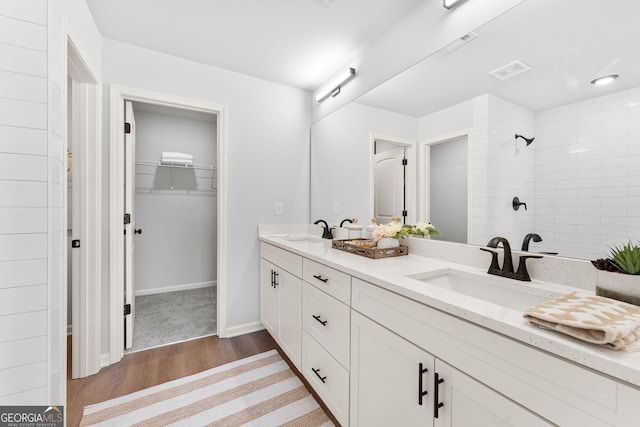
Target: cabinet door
469, 403
269, 306
289, 288
388, 387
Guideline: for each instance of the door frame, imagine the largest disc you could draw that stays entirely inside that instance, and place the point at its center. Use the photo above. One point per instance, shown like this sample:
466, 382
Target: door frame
425, 149
86, 307
117, 95
410, 153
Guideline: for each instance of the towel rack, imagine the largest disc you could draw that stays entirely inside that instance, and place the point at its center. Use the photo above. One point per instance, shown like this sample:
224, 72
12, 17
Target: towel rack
148, 167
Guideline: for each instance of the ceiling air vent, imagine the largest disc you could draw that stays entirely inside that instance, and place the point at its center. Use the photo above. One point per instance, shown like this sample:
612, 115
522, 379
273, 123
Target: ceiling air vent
509, 70
457, 44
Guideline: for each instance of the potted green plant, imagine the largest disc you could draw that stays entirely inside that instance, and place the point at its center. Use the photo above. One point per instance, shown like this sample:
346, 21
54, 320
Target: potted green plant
624, 283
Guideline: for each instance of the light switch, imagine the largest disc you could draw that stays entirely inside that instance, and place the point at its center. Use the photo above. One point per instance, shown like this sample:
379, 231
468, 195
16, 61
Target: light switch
279, 208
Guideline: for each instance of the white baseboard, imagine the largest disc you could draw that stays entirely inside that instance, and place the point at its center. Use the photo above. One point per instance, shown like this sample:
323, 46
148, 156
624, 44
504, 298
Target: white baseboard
174, 288
105, 360
247, 328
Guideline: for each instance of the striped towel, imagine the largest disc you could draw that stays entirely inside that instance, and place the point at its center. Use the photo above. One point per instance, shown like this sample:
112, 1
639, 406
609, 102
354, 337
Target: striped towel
598, 320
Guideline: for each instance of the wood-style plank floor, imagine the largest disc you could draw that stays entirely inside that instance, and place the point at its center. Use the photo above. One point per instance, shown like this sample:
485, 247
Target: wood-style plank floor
147, 368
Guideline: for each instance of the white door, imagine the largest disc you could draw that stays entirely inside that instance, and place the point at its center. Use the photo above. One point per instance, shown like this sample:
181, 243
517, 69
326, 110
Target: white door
129, 227
73, 169
389, 184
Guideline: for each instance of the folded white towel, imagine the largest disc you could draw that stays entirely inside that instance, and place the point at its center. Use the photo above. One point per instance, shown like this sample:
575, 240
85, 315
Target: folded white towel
175, 155
598, 320
177, 162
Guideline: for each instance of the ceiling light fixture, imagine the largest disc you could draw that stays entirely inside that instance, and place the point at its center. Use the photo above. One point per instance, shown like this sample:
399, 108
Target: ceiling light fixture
334, 88
449, 4
604, 80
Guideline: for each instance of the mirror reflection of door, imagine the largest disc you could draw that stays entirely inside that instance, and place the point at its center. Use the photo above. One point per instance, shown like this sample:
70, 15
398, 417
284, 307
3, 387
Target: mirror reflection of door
389, 182
448, 189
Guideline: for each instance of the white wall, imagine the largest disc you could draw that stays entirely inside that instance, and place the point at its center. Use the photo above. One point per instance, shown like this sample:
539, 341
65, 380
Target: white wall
177, 246
268, 152
341, 149
588, 174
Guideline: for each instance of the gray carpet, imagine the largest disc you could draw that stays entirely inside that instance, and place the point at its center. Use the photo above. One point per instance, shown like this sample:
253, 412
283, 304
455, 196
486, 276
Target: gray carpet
173, 316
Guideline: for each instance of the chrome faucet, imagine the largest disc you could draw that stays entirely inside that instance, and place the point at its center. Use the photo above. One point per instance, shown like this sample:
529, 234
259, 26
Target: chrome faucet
326, 233
529, 237
507, 265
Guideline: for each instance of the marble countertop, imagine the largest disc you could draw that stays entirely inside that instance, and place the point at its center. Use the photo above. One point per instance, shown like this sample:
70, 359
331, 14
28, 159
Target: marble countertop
391, 274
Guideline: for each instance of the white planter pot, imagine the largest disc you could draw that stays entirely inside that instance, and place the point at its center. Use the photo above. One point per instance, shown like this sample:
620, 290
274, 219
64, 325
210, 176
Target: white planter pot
623, 287
388, 242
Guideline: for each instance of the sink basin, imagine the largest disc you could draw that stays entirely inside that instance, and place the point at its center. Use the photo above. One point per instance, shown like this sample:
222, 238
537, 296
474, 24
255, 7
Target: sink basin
507, 293
301, 238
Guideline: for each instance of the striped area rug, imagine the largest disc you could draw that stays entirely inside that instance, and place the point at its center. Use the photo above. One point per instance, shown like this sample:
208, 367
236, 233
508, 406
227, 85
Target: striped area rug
257, 391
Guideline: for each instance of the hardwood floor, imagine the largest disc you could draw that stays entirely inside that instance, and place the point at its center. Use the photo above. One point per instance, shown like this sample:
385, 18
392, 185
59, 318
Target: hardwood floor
147, 368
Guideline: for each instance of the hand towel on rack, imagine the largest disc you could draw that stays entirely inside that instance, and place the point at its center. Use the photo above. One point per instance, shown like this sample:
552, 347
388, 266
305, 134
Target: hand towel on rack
598, 320
175, 155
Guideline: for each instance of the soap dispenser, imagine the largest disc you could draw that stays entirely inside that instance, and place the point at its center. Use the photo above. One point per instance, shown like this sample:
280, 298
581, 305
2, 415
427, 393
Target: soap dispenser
354, 229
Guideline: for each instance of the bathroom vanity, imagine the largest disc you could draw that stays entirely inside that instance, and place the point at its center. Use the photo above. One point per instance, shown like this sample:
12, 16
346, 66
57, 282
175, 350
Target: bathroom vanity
405, 341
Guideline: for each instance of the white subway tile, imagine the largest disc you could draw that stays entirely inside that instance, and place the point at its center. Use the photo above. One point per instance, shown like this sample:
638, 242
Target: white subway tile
619, 181
23, 140
22, 60
23, 167
23, 114
15, 247
24, 34
14, 274
23, 220
23, 352
23, 299
22, 379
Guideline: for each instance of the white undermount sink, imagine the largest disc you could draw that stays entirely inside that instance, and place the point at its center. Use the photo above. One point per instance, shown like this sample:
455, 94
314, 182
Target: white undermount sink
299, 237
508, 293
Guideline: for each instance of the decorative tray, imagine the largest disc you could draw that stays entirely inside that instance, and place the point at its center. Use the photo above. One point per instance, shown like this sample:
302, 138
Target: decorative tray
364, 247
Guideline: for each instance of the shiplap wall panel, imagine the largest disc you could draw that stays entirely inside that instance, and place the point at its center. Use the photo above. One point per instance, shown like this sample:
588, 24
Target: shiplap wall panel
23, 114
24, 299
15, 247
22, 378
20, 140
23, 87
21, 60
23, 273
23, 34
26, 10
23, 194
23, 167
23, 325
23, 220
33, 395
23, 352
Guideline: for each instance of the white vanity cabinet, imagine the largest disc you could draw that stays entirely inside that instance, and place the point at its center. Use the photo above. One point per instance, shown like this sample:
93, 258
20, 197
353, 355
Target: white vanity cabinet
394, 382
281, 299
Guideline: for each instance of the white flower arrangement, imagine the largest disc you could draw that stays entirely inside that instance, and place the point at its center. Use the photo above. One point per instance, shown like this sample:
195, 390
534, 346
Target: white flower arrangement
396, 230
424, 229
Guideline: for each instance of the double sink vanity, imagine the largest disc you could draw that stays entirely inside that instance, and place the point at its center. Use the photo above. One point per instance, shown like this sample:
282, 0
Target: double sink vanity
420, 340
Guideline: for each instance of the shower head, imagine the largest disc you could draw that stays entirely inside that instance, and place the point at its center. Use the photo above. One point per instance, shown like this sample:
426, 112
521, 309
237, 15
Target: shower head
528, 140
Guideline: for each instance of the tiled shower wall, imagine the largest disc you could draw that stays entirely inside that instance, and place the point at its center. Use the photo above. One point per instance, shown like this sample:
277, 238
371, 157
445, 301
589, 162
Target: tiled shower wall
32, 346
588, 174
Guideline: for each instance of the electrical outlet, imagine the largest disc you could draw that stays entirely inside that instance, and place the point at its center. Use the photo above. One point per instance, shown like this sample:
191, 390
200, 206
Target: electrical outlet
336, 207
279, 208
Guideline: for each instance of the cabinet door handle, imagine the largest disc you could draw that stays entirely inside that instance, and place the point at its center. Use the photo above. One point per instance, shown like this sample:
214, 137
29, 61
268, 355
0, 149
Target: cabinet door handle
315, 371
436, 398
421, 393
322, 279
275, 279
322, 322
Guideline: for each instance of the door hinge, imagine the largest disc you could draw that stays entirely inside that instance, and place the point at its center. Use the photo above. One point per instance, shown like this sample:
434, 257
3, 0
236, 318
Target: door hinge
127, 219
404, 162
127, 128
127, 309
75, 243
404, 213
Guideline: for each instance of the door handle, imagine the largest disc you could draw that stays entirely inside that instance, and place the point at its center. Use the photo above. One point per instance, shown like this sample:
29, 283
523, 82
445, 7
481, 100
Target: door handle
137, 231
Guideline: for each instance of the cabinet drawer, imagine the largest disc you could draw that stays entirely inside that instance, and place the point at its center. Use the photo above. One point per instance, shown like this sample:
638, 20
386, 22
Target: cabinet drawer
327, 320
327, 377
284, 259
327, 279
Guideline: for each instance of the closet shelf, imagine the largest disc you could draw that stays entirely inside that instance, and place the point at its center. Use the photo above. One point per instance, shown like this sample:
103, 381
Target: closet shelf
159, 164
149, 168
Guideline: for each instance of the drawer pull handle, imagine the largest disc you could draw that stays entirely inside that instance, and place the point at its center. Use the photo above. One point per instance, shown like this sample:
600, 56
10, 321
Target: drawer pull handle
322, 279
421, 393
322, 322
315, 371
436, 399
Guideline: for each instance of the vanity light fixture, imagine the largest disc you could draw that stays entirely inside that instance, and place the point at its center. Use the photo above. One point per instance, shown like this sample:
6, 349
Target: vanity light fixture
334, 88
604, 80
449, 4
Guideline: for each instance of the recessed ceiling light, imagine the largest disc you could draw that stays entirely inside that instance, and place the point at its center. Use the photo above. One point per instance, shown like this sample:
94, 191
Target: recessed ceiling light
604, 80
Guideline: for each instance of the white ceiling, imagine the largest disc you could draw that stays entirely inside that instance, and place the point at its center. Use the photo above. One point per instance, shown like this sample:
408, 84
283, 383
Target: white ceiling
300, 43
567, 44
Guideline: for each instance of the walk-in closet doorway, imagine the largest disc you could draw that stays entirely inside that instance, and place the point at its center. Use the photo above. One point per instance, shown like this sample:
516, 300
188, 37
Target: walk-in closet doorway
167, 201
